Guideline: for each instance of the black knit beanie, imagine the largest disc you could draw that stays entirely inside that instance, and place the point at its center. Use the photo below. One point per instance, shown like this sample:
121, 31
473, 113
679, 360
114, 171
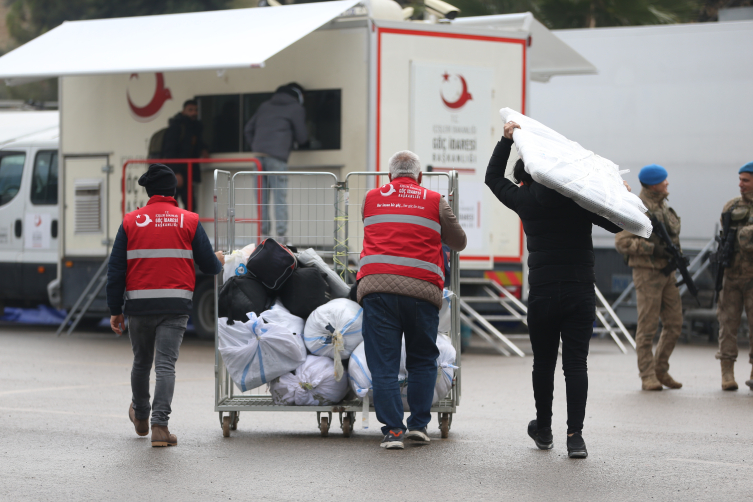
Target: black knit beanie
159, 180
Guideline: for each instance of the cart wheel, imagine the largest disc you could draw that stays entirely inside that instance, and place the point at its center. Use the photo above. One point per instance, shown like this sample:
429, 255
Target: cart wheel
226, 427
234, 417
347, 426
444, 425
324, 427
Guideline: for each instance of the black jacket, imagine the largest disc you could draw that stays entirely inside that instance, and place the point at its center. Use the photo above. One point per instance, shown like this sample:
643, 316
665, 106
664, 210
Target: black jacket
117, 267
184, 140
560, 248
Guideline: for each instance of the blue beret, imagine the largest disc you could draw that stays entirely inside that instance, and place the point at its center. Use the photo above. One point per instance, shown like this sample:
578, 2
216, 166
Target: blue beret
652, 174
747, 168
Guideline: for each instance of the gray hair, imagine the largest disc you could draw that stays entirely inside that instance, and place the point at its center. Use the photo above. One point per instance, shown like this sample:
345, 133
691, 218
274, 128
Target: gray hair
405, 164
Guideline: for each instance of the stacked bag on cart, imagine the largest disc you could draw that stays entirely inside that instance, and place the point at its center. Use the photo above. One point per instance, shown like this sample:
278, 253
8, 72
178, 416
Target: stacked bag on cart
262, 348
312, 384
334, 330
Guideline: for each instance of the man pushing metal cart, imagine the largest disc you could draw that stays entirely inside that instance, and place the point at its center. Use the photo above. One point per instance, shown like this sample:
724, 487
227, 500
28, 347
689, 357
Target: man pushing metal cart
326, 231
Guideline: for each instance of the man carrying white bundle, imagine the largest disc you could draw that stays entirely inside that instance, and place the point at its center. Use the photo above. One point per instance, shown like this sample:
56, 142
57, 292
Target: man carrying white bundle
561, 302
400, 288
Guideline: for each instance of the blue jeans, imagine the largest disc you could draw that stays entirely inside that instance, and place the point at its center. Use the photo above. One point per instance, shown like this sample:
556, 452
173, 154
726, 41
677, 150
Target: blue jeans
151, 335
386, 317
275, 188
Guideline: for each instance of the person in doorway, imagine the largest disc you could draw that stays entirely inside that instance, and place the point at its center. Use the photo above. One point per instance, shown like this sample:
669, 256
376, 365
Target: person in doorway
655, 284
152, 267
737, 288
400, 288
184, 140
561, 301
272, 131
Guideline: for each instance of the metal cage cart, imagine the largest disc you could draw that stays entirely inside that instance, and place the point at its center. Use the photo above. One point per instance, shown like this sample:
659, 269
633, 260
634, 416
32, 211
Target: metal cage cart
311, 210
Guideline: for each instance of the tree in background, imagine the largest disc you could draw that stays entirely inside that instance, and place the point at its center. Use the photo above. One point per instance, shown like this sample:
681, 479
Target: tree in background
559, 14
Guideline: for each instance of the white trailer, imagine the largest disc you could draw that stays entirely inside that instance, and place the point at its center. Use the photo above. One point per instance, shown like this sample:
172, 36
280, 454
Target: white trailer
389, 85
679, 96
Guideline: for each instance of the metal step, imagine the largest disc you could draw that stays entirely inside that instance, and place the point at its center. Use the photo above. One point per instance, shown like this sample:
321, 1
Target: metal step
84, 302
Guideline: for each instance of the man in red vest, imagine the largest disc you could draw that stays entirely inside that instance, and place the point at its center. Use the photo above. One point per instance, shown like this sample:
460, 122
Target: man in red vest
400, 288
152, 267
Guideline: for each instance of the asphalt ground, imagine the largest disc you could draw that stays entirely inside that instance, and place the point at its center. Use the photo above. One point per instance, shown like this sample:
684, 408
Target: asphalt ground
65, 435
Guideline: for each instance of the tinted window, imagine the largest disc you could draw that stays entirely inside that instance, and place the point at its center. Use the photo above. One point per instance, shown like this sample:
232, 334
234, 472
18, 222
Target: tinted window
11, 169
225, 115
221, 118
44, 181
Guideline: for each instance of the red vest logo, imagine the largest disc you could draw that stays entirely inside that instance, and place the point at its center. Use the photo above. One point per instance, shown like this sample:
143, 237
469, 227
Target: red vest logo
151, 109
147, 220
389, 192
458, 93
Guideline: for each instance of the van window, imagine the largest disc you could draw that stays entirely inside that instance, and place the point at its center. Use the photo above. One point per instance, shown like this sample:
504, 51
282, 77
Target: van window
44, 181
11, 169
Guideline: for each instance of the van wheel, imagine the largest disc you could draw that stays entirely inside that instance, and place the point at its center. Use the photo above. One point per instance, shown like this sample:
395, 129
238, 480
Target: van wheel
203, 315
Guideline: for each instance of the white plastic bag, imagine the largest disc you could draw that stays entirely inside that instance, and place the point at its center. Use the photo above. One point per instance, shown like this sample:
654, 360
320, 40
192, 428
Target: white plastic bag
255, 352
445, 317
445, 368
593, 182
310, 258
312, 384
334, 330
360, 375
282, 316
235, 262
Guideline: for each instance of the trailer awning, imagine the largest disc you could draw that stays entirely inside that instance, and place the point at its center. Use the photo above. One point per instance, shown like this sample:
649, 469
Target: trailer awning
237, 38
548, 54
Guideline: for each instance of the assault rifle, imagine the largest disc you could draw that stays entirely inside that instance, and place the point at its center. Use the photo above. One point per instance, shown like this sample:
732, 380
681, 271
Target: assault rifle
725, 251
676, 260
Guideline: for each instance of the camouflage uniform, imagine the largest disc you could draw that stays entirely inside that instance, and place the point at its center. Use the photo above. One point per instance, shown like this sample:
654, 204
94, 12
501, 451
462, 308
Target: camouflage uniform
658, 295
737, 289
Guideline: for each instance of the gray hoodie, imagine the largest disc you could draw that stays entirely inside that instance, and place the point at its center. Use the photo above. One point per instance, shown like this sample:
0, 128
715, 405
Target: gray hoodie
275, 125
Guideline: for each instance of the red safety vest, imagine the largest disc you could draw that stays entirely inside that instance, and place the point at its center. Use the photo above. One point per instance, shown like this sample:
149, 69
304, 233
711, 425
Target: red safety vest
160, 254
402, 234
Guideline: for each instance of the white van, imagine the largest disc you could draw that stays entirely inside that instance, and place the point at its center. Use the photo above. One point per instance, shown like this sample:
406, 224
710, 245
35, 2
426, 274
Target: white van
29, 142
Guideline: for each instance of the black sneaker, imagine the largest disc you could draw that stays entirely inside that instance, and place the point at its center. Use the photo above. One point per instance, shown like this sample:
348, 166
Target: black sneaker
419, 436
393, 440
543, 438
576, 447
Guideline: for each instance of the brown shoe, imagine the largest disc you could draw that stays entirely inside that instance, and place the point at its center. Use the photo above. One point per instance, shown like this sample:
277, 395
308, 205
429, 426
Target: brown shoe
141, 426
162, 437
651, 383
667, 381
728, 375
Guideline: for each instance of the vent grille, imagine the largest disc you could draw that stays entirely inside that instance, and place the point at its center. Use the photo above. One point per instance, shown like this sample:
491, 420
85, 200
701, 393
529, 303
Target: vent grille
88, 202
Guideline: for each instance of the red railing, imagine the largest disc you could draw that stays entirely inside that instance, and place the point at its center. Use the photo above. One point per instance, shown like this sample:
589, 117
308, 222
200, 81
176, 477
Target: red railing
189, 163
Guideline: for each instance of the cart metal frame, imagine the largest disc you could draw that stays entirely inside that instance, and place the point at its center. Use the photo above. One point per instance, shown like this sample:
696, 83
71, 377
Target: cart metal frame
234, 191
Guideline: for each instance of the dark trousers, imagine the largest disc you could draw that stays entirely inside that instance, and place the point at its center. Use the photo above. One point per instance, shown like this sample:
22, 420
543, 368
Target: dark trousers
566, 310
151, 335
386, 317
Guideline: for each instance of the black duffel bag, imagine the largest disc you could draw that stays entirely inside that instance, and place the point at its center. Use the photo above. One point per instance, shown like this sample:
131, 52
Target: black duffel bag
305, 291
242, 294
271, 263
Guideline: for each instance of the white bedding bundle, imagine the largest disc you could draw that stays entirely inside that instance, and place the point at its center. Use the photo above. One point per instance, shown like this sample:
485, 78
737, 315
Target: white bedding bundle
593, 182
312, 384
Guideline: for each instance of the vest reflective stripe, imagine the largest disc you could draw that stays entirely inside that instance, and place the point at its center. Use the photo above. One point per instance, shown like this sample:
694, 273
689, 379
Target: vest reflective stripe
400, 260
160, 253
403, 218
148, 294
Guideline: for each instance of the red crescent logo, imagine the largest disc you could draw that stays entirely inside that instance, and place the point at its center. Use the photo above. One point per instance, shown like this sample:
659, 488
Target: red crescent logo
161, 94
465, 96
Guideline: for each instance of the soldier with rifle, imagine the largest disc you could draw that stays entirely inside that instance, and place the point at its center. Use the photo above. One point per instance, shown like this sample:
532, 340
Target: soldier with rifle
735, 275
654, 261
